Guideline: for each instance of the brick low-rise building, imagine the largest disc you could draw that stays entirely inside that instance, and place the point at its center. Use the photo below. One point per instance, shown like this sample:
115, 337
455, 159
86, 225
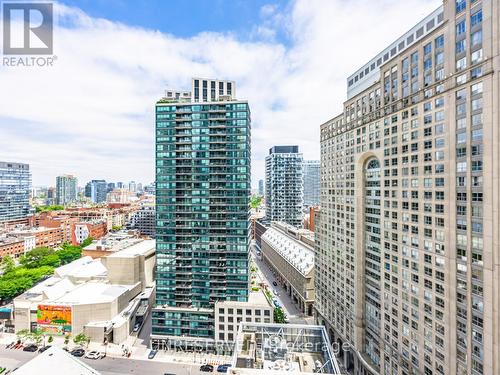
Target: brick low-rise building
44, 237
85, 229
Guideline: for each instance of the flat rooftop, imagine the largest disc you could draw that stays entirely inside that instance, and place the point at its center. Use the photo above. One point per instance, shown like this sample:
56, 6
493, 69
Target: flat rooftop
57, 290
84, 267
263, 349
140, 248
254, 299
45, 362
92, 293
115, 242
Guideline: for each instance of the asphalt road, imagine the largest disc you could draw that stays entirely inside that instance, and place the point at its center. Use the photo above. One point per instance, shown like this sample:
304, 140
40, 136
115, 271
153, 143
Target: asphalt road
107, 366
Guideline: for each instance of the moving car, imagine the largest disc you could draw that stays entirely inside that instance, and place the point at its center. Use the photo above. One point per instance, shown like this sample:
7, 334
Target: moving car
223, 368
152, 353
43, 348
207, 368
93, 355
275, 283
136, 327
79, 352
30, 348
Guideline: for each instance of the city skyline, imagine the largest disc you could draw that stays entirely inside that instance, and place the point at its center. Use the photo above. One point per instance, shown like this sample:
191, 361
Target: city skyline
109, 134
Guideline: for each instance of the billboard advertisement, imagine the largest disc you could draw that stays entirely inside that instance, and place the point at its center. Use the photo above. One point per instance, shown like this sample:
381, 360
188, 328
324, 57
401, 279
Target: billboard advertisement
54, 319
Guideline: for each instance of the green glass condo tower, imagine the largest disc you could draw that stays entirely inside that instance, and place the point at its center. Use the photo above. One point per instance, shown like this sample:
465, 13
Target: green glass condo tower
202, 200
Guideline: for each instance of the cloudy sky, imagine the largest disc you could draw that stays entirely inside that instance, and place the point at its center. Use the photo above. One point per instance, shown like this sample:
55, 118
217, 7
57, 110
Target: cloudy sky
91, 114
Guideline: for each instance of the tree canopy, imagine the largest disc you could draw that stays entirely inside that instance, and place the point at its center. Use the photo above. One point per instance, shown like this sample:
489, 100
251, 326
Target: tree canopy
34, 266
255, 201
53, 207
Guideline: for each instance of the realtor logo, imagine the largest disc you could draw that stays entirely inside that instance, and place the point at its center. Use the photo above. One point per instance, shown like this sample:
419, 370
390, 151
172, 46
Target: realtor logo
27, 28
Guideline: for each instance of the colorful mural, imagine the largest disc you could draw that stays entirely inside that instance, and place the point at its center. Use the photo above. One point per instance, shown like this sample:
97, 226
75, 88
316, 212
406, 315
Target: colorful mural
54, 319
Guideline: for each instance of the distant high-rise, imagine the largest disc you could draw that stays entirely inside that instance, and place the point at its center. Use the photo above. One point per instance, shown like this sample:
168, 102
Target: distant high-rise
284, 185
66, 190
261, 187
111, 186
202, 204
407, 259
132, 186
15, 188
311, 183
143, 220
120, 185
96, 190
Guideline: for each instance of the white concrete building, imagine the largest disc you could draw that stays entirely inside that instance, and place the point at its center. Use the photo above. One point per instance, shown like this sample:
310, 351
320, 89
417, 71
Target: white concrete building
104, 298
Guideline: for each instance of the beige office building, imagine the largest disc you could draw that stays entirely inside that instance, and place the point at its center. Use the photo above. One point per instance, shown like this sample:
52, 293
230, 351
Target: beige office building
408, 247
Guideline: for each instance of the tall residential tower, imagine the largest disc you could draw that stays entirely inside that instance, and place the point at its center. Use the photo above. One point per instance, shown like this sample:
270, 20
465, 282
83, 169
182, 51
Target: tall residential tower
15, 188
96, 190
202, 203
284, 187
66, 189
311, 170
408, 243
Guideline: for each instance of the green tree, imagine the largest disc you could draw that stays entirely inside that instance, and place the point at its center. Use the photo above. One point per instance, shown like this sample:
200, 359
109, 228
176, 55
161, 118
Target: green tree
50, 339
53, 207
37, 337
86, 242
7, 264
69, 253
23, 334
51, 260
81, 339
66, 339
21, 279
279, 315
33, 257
255, 201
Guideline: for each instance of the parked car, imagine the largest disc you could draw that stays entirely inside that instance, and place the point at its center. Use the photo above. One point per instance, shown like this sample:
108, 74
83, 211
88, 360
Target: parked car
275, 283
223, 368
43, 348
207, 368
93, 355
152, 353
79, 352
30, 348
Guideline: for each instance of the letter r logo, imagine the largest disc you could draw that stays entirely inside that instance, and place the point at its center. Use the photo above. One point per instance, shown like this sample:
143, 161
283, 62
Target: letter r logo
27, 28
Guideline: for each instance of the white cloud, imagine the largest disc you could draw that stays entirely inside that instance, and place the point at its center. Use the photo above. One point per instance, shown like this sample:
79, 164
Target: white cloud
92, 113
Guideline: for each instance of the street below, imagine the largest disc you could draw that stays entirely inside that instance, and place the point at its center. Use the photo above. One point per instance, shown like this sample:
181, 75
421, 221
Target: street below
14, 358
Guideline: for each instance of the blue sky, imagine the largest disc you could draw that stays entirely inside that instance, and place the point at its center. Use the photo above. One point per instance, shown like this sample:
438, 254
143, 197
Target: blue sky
184, 18
92, 113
